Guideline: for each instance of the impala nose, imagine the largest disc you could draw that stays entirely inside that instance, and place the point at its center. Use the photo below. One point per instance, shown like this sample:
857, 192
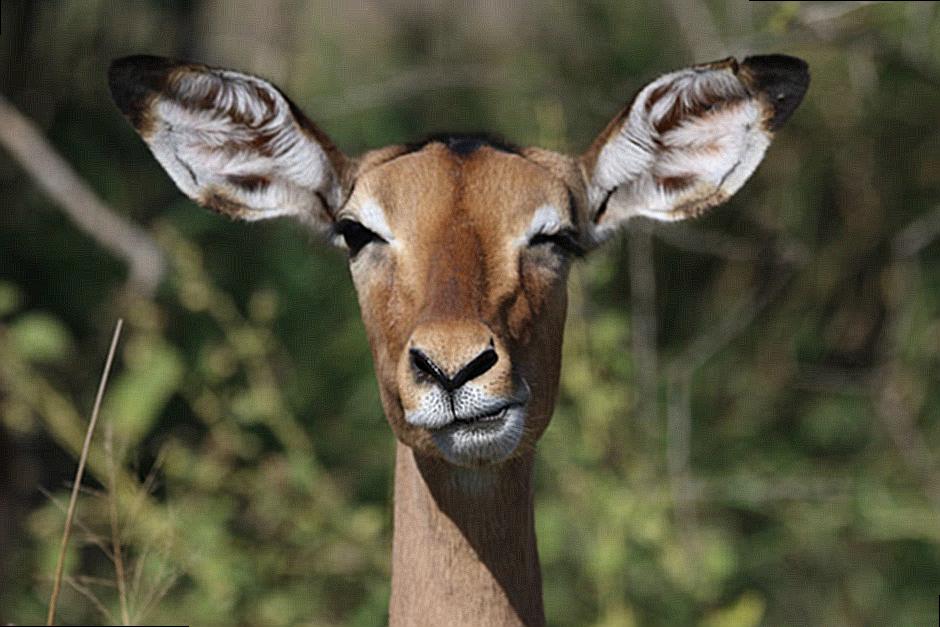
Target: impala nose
476, 367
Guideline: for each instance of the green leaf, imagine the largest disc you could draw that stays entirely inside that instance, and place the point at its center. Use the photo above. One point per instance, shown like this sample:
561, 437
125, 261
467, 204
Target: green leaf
135, 399
746, 611
10, 298
39, 337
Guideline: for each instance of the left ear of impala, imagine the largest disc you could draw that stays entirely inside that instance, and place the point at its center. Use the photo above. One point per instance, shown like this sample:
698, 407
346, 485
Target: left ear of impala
231, 141
689, 140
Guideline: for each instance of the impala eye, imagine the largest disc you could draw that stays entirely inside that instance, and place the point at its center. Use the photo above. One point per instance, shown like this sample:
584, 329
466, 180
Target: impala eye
564, 241
356, 235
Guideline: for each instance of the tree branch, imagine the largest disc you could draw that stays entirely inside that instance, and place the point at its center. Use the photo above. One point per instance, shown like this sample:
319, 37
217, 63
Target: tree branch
25, 142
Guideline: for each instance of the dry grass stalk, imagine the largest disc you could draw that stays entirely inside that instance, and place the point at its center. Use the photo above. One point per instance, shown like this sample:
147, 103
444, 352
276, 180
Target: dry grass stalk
115, 531
80, 471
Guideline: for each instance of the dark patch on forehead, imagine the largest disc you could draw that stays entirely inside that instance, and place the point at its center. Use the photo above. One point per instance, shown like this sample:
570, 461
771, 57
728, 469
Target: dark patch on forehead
463, 144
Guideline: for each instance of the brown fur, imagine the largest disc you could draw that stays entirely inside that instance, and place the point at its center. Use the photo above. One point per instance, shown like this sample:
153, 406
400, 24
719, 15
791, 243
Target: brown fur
463, 282
216, 200
464, 551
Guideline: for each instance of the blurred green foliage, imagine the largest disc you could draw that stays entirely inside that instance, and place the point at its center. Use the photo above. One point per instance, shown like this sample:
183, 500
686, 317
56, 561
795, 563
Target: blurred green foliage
778, 466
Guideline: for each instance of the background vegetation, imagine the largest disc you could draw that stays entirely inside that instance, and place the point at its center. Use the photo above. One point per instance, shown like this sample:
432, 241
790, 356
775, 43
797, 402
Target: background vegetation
748, 430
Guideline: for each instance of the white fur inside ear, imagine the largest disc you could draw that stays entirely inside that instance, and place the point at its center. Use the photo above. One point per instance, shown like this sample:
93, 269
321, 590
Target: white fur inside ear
690, 140
230, 141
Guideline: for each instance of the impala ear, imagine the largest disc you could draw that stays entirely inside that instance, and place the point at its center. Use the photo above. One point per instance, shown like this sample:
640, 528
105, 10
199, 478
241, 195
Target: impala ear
690, 139
232, 142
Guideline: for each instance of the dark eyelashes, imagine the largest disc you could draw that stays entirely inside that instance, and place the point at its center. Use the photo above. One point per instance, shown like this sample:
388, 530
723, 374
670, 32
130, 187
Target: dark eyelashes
356, 235
565, 241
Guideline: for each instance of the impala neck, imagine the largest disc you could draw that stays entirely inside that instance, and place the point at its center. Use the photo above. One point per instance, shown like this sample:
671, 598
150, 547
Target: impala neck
464, 546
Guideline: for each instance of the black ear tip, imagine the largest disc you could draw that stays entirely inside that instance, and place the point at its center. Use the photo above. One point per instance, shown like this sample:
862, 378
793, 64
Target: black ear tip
132, 79
782, 79
782, 62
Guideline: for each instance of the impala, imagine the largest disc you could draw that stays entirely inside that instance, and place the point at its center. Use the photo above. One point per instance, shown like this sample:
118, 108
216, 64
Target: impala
459, 247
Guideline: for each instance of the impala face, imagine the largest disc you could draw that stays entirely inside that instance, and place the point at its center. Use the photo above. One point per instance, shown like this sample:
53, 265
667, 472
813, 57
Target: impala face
460, 250
460, 246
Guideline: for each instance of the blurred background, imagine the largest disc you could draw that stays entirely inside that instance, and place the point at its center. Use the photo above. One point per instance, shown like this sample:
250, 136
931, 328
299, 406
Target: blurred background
748, 427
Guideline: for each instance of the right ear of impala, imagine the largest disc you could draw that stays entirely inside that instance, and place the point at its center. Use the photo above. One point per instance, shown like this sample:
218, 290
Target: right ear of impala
230, 141
689, 140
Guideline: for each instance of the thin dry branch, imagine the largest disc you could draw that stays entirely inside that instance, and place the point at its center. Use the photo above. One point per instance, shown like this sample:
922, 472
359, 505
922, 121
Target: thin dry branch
163, 581
917, 235
89, 594
26, 143
79, 473
88, 580
115, 530
146, 489
90, 537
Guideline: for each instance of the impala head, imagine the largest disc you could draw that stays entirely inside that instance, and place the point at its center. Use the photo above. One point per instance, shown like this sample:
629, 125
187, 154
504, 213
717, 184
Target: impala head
460, 246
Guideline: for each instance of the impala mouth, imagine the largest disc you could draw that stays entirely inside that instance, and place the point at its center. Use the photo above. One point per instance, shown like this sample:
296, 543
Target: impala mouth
481, 439
487, 419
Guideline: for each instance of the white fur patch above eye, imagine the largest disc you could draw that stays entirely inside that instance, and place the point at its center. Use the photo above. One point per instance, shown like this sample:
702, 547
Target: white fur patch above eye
546, 219
372, 216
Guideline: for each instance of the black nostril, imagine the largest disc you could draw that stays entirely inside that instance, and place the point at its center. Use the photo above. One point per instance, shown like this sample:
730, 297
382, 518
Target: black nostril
424, 364
480, 364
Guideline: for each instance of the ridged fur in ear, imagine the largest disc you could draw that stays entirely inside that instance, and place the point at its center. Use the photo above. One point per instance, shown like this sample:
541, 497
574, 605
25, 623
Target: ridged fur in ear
230, 141
690, 139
